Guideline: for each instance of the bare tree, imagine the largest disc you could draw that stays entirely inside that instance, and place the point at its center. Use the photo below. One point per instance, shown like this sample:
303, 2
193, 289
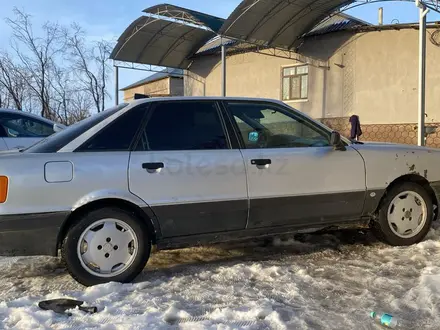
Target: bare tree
80, 106
38, 57
5, 99
69, 100
12, 79
60, 85
102, 50
91, 65
57, 71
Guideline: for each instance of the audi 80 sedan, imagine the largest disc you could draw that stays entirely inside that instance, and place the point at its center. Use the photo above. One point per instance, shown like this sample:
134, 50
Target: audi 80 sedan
176, 172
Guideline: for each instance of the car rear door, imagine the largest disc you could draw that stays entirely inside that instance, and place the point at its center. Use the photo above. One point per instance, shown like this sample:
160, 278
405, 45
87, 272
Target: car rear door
294, 175
185, 169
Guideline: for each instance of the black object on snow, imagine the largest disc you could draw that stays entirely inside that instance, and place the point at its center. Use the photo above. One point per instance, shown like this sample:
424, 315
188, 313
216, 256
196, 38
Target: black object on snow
61, 305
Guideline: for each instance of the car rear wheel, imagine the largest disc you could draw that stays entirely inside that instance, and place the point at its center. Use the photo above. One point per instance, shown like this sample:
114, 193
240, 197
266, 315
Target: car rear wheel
405, 215
105, 245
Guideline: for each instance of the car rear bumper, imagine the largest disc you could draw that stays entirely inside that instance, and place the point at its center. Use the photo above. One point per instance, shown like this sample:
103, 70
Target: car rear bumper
30, 234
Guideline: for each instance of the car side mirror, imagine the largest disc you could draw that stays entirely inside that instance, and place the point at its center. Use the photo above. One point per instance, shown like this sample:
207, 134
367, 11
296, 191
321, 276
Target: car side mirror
336, 141
58, 127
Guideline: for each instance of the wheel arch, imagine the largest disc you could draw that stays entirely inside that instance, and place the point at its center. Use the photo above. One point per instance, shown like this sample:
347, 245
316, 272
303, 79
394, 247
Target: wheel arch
147, 215
415, 178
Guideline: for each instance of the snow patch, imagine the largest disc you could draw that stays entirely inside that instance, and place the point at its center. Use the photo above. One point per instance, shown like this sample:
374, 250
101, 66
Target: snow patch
320, 282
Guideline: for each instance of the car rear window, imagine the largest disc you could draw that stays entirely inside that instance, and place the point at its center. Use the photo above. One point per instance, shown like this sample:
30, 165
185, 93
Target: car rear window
56, 141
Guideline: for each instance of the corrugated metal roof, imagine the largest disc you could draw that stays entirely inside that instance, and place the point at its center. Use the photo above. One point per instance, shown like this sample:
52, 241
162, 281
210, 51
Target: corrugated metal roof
215, 43
175, 73
336, 23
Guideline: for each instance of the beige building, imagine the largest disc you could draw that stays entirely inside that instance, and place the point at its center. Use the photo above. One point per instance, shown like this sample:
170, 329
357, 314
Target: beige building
166, 83
370, 71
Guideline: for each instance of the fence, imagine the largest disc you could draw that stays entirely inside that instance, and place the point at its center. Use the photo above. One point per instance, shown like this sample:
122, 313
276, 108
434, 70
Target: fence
395, 133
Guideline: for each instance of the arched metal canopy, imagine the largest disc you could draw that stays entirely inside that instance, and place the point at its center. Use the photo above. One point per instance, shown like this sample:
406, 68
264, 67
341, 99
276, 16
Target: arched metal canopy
170, 35
277, 23
167, 36
282, 23
191, 16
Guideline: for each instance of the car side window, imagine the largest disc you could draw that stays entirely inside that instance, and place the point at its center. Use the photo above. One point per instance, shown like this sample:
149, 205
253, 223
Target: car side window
119, 134
263, 125
17, 125
184, 126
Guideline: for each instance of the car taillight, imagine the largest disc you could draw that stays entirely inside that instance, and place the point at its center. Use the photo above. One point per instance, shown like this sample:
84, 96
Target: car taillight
3, 188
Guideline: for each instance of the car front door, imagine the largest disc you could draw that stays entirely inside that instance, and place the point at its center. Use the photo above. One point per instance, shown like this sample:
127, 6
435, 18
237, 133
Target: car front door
294, 176
20, 131
185, 169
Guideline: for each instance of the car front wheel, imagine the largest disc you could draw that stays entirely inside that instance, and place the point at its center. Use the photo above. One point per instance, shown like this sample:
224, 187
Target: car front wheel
105, 245
405, 215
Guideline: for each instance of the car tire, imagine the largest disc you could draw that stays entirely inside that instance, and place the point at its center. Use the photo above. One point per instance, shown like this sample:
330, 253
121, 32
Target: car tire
398, 222
102, 238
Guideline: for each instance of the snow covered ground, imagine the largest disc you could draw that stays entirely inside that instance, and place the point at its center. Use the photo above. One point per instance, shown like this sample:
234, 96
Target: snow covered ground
326, 281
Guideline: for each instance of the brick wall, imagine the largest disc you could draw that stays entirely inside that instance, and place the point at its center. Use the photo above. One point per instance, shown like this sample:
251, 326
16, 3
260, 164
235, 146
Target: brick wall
396, 133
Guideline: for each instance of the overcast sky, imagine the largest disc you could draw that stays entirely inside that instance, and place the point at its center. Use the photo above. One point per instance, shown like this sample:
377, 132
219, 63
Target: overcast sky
108, 19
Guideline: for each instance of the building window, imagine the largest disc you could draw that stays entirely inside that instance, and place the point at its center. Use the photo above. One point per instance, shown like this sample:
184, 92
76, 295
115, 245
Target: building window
295, 82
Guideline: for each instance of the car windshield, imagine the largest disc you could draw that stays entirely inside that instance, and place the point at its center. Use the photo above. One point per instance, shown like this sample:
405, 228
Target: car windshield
56, 141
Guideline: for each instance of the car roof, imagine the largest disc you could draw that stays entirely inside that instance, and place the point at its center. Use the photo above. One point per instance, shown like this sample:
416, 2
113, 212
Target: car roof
202, 98
215, 98
227, 98
25, 113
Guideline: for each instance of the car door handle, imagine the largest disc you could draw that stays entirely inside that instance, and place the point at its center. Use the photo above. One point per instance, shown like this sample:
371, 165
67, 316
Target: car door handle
261, 162
152, 166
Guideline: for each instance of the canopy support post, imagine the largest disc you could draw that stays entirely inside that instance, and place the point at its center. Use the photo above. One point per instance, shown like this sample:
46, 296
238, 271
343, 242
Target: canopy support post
423, 11
223, 68
116, 73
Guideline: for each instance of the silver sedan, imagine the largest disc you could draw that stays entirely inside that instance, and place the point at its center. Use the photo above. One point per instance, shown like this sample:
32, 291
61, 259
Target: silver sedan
176, 172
